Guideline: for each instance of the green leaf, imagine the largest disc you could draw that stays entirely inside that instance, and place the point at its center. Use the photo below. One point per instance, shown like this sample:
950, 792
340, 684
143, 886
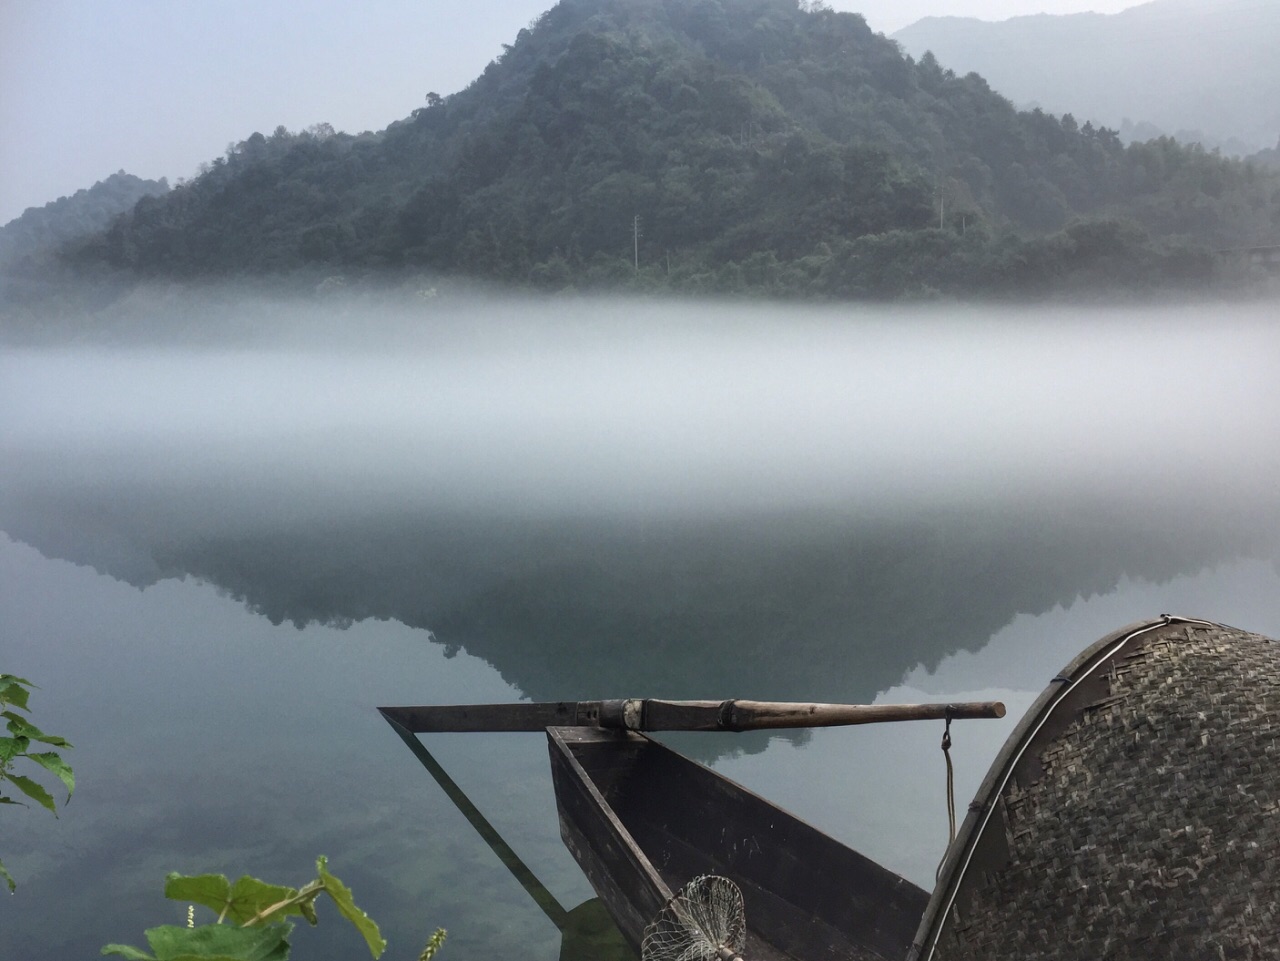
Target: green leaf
250, 897
8, 878
20, 727
11, 747
34, 791
308, 911
210, 890
52, 762
133, 954
346, 904
220, 942
13, 692
237, 903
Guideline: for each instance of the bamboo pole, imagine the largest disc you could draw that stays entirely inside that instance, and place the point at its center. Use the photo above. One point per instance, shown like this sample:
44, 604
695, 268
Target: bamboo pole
654, 714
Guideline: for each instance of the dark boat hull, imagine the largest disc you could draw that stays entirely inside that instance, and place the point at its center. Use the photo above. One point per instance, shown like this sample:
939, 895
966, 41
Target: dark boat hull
642, 820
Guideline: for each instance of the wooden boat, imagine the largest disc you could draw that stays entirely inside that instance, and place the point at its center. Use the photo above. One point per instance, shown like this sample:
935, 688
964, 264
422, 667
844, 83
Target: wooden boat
642, 820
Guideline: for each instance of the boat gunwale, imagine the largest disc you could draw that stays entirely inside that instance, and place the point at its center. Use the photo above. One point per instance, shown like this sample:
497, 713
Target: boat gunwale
557, 739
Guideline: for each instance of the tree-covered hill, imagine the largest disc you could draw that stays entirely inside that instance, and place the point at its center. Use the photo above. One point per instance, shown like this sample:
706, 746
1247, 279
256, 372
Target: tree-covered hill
86, 212
710, 144
32, 246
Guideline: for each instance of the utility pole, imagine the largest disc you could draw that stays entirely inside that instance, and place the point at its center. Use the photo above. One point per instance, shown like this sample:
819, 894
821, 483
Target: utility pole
635, 239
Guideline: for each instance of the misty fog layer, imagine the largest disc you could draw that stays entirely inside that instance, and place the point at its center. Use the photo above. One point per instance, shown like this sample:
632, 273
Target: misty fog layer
591, 499
669, 409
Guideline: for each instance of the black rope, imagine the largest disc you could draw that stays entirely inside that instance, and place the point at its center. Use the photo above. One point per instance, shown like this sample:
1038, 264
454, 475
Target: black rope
951, 793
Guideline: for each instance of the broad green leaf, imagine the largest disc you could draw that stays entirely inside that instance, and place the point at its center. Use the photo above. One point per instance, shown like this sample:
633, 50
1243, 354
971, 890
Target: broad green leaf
210, 890
34, 791
13, 692
11, 747
220, 941
52, 762
237, 903
250, 897
8, 878
133, 954
20, 727
346, 904
21, 680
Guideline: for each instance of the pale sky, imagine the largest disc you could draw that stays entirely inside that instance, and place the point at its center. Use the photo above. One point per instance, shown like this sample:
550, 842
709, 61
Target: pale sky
155, 87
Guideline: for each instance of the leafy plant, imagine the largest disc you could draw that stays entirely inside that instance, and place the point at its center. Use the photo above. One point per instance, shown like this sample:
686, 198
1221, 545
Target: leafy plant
251, 923
14, 692
433, 945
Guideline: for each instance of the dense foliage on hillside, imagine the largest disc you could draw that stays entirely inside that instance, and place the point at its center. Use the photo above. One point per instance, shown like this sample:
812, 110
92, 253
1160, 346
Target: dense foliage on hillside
69, 218
31, 266
1267, 159
710, 145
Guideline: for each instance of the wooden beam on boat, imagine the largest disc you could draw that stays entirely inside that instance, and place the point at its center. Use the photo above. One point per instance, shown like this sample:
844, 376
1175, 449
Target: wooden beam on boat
653, 714
543, 898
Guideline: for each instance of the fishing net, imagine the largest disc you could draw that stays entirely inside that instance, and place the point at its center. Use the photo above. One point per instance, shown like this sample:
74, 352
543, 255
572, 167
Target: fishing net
704, 921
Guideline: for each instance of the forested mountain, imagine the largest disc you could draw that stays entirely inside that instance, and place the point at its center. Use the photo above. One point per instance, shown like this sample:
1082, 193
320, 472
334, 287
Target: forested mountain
709, 145
85, 212
1186, 68
34, 268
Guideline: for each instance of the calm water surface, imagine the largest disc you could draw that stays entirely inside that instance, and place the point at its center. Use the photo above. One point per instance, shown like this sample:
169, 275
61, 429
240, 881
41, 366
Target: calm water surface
218, 560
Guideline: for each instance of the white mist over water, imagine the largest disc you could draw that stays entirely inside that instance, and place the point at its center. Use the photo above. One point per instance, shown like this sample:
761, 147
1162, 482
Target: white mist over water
305, 472
612, 407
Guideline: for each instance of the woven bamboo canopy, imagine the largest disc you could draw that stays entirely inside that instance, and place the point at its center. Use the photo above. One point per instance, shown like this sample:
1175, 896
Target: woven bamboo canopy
1133, 814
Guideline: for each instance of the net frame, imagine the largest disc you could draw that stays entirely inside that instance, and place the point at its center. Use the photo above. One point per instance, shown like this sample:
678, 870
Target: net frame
704, 921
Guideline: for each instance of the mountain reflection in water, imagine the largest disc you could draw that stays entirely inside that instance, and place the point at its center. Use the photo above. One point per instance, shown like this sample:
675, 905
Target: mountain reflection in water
809, 507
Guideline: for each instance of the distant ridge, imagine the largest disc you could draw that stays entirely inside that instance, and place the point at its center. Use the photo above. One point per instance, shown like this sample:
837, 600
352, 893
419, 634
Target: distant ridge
1185, 68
